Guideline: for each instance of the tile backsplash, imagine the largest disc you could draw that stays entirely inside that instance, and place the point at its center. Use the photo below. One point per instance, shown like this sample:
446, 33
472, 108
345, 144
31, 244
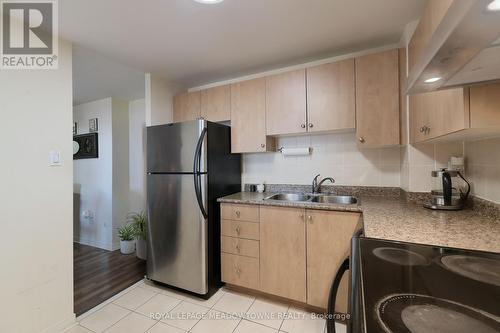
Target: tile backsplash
333, 155
337, 155
483, 168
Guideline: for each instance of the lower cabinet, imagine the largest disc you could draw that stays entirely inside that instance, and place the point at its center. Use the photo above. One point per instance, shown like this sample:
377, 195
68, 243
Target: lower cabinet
283, 252
240, 270
329, 236
290, 252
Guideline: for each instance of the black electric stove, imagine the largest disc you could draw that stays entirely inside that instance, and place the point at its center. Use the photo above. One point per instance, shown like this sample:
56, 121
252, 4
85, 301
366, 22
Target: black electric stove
414, 288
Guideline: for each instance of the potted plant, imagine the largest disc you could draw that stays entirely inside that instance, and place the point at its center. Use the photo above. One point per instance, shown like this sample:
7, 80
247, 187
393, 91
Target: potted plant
127, 242
139, 221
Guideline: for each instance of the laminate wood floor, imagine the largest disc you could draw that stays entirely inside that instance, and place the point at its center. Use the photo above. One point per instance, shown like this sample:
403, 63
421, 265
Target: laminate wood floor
101, 274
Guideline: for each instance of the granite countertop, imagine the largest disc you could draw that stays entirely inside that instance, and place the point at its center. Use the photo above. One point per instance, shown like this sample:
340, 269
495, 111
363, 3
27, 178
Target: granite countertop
394, 218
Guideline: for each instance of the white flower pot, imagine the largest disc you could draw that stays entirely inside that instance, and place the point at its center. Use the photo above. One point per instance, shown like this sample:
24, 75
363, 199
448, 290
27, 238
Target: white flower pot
141, 249
127, 247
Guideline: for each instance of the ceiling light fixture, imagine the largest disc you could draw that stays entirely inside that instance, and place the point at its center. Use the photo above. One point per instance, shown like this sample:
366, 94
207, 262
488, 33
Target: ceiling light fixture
432, 80
208, 2
493, 6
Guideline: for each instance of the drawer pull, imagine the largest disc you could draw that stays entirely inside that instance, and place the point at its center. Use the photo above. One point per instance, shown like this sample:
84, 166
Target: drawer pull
238, 248
238, 230
237, 270
238, 213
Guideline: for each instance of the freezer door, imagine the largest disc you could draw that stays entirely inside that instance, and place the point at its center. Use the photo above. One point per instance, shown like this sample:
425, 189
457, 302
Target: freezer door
177, 232
172, 147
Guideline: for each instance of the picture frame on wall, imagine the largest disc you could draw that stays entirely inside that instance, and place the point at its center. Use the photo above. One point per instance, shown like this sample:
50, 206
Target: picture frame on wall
85, 146
93, 125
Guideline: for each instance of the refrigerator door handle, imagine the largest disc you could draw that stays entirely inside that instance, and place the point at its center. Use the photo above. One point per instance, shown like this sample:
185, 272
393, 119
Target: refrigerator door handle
196, 171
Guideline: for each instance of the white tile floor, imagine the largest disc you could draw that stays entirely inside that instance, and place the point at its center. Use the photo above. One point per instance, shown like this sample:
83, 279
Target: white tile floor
153, 309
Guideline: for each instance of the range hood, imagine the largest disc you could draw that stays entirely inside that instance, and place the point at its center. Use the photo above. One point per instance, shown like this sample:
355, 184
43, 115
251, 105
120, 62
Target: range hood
463, 50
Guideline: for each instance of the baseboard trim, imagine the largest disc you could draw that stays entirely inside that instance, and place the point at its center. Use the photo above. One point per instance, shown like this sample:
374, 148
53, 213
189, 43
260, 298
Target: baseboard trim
104, 246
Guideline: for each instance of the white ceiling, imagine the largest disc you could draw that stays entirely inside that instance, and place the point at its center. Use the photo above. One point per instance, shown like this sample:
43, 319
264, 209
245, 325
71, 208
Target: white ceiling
96, 77
192, 44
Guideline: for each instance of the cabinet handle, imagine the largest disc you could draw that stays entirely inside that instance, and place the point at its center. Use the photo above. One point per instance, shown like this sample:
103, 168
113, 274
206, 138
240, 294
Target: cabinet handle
238, 229
301, 216
361, 139
238, 213
237, 270
311, 125
238, 248
303, 125
262, 145
425, 129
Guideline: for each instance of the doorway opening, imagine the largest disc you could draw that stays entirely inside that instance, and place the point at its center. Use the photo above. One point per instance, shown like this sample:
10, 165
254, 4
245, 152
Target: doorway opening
108, 178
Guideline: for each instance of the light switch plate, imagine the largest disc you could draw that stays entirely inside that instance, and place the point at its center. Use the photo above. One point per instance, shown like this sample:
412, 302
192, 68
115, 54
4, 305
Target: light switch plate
55, 158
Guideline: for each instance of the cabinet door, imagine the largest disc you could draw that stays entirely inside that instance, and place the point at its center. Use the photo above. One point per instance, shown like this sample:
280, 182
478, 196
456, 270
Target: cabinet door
286, 103
187, 106
377, 99
438, 113
330, 96
283, 252
216, 103
484, 106
248, 117
328, 244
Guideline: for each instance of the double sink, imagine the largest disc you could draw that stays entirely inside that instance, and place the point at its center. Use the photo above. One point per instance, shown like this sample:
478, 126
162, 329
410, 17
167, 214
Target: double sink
314, 198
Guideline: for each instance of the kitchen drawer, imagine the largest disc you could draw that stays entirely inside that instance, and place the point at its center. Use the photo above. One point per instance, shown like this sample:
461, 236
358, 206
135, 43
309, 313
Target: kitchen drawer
240, 229
239, 270
240, 212
238, 246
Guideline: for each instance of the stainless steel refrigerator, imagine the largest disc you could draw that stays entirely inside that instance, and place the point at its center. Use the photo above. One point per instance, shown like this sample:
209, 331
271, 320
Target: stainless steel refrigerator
189, 166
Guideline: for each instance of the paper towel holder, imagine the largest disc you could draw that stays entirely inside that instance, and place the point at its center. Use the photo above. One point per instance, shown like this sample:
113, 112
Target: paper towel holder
295, 151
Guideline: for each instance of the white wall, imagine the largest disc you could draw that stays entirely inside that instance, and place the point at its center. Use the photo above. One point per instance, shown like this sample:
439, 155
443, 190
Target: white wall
159, 100
103, 183
120, 196
35, 199
335, 155
137, 155
93, 177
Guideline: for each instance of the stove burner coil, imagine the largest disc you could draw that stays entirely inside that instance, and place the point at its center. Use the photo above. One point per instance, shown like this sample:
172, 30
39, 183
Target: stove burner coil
400, 256
412, 313
480, 269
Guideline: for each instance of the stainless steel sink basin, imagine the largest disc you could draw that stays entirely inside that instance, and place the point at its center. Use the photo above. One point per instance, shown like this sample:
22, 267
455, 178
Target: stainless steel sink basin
290, 197
315, 198
335, 199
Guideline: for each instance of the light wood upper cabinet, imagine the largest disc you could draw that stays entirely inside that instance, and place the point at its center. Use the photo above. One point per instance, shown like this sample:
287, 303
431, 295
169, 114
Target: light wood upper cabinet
464, 113
438, 113
248, 117
328, 244
283, 252
330, 96
216, 103
377, 99
485, 106
286, 103
187, 106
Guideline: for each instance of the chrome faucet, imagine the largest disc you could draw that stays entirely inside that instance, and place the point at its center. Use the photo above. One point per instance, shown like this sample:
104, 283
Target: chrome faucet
317, 186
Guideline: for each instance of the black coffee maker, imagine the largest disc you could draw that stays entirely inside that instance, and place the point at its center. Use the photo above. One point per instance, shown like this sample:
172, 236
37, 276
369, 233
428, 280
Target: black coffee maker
448, 193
